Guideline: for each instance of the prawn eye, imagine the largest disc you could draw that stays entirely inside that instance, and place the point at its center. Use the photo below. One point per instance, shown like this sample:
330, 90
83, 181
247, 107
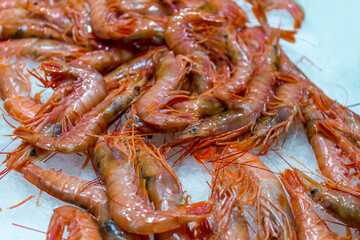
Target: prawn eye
32, 152
137, 88
35, 3
149, 136
138, 150
314, 191
194, 130
226, 36
51, 36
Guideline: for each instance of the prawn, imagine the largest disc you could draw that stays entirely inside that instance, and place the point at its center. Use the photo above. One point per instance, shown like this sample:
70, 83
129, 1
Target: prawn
274, 215
228, 9
80, 224
241, 59
106, 25
128, 207
151, 108
330, 159
84, 134
288, 5
283, 109
146, 62
144, 7
179, 39
340, 203
239, 119
162, 185
73, 190
15, 23
309, 224
40, 49
101, 60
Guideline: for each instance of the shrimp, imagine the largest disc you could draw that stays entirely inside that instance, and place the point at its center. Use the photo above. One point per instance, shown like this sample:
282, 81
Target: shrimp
331, 160
144, 7
83, 135
73, 190
265, 191
228, 9
309, 225
288, 5
340, 203
128, 207
151, 108
51, 13
106, 25
227, 221
241, 59
145, 62
80, 224
179, 39
148, 28
283, 109
162, 185
40, 49
101, 60
239, 119
15, 23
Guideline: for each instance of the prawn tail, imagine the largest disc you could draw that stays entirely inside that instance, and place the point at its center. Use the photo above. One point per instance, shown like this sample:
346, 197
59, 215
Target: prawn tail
248, 144
291, 182
195, 211
56, 228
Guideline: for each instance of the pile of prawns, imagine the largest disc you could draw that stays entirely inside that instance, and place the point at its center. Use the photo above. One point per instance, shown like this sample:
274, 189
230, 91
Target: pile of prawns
192, 67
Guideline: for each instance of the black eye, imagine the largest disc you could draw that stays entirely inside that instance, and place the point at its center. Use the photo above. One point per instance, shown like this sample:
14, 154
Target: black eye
137, 88
314, 191
138, 151
35, 3
149, 136
32, 152
226, 36
51, 36
194, 130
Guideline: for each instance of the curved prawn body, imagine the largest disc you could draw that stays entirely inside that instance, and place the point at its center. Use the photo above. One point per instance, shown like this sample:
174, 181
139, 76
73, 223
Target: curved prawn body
163, 188
15, 23
67, 188
87, 91
341, 204
151, 108
144, 7
106, 25
288, 5
181, 41
241, 59
148, 28
228, 9
331, 160
40, 49
283, 110
84, 134
15, 92
266, 193
146, 63
128, 207
101, 60
308, 224
73, 190
80, 224
242, 117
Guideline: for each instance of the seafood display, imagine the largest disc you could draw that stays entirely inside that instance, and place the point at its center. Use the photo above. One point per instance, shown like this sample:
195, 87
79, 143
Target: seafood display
125, 92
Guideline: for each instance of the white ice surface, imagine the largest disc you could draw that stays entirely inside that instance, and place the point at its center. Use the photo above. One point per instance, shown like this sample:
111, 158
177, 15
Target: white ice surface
327, 50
